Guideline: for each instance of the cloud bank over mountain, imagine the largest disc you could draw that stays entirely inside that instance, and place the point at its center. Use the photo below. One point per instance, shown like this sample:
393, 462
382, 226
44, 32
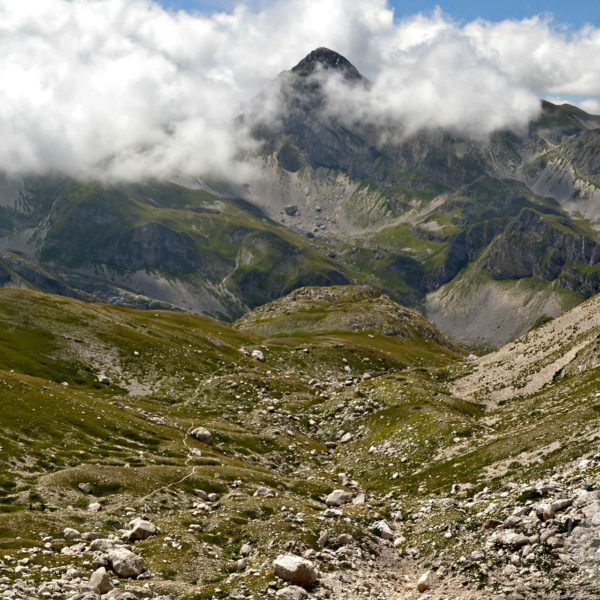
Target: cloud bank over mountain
125, 89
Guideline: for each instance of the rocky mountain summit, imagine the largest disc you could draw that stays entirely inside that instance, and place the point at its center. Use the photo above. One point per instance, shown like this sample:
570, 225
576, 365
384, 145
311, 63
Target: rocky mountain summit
327, 60
329, 445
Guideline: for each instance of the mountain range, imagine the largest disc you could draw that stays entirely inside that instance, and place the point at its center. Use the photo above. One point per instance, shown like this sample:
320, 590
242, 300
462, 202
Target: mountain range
486, 237
366, 370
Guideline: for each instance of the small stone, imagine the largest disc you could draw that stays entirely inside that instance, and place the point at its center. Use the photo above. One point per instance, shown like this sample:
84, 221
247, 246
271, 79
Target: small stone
85, 487
560, 505
425, 582
292, 592
265, 492
513, 539
492, 524
258, 355
95, 507
383, 530
545, 512
71, 535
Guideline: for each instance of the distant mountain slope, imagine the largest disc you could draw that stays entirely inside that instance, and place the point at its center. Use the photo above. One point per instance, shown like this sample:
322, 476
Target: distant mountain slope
153, 245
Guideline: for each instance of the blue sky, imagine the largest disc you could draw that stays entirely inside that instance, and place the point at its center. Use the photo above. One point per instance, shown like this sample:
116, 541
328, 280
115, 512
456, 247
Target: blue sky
572, 12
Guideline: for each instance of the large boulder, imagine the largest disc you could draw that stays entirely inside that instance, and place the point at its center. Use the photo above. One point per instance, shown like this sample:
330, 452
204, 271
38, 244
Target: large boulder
100, 581
296, 570
125, 563
338, 498
141, 529
202, 435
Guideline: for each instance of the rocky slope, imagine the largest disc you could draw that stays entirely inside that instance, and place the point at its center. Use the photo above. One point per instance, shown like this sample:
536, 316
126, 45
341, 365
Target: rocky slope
563, 347
162, 455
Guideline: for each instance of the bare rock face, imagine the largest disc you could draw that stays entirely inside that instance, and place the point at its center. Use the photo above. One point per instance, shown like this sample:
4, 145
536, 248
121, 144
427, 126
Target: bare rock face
295, 570
326, 60
125, 563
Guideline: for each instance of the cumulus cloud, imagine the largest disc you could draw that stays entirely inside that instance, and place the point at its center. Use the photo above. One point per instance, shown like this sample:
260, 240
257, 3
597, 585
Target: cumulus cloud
126, 89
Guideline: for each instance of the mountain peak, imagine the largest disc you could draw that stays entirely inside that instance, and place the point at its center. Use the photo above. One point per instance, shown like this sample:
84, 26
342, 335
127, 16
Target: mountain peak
329, 60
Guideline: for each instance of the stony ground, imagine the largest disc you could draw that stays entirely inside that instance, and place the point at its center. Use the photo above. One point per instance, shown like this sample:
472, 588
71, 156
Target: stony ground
183, 459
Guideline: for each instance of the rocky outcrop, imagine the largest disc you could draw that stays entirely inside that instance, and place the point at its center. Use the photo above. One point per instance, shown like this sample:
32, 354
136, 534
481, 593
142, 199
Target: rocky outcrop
546, 247
340, 308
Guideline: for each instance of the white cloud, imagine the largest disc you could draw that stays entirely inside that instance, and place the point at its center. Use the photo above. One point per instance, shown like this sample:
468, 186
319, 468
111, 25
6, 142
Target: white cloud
126, 89
591, 105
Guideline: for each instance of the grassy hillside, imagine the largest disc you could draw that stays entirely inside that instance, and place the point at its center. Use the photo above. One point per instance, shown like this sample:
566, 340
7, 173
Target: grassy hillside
349, 390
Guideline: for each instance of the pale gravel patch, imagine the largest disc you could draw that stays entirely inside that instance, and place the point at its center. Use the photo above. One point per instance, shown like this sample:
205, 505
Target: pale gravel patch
526, 365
